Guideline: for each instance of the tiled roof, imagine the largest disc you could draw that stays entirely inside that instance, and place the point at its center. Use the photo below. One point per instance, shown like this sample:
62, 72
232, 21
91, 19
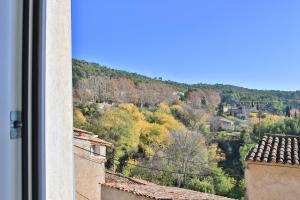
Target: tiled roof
94, 140
89, 136
278, 149
78, 130
153, 191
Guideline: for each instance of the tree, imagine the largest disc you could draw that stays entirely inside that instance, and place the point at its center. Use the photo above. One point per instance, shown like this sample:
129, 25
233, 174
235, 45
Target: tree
124, 91
221, 109
82, 90
205, 185
244, 151
118, 126
202, 98
154, 93
79, 118
245, 137
238, 192
189, 154
215, 155
252, 104
223, 184
195, 98
103, 88
93, 89
288, 111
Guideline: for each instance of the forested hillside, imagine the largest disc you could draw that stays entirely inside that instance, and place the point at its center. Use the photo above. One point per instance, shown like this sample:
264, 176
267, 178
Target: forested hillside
175, 134
271, 100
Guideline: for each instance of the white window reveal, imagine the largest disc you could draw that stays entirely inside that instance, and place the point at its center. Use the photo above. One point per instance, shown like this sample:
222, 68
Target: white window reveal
96, 151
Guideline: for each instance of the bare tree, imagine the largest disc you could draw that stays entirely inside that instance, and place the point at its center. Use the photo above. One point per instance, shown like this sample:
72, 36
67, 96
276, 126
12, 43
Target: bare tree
188, 152
124, 90
83, 91
103, 88
154, 93
203, 98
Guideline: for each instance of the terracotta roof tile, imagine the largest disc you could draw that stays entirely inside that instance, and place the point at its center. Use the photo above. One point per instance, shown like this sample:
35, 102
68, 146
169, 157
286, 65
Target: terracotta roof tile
82, 131
153, 191
89, 136
94, 140
281, 149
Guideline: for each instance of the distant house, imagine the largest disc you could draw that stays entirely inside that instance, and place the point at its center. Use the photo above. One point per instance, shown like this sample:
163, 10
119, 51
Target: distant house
239, 111
178, 95
226, 123
226, 108
273, 170
118, 187
89, 157
104, 105
220, 123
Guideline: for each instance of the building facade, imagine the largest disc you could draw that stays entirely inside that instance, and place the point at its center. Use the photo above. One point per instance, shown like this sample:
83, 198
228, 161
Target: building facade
273, 170
90, 158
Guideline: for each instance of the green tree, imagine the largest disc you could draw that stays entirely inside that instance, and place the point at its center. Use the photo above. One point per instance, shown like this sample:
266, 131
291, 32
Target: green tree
245, 137
238, 192
205, 185
223, 183
288, 111
244, 151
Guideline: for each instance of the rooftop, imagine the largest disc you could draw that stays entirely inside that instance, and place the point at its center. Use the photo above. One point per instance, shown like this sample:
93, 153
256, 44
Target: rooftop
78, 130
89, 136
276, 149
225, 120
153, 191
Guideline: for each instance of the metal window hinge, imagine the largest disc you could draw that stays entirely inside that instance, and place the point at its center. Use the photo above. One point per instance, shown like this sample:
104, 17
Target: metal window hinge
15, 124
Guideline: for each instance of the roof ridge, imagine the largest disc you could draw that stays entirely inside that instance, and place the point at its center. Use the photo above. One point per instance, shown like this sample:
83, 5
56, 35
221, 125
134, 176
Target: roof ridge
281, 135
126, 177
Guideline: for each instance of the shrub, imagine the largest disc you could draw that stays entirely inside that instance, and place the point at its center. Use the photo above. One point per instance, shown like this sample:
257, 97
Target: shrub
205, 185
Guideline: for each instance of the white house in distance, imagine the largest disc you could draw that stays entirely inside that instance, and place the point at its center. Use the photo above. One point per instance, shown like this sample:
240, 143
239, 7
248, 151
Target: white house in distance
89, 158
221, 123
273, 170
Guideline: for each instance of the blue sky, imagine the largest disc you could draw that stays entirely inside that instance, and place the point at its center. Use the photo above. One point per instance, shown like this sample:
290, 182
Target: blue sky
250, 43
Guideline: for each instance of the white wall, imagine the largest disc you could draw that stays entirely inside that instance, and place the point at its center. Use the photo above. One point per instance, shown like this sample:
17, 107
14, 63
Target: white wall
59, 172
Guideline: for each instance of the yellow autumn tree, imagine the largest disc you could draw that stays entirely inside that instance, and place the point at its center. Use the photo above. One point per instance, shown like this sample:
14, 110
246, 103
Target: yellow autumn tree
164, 108
153, 136
168, 121
133, 110
79, 118
268, 119
176, 108
119, 126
